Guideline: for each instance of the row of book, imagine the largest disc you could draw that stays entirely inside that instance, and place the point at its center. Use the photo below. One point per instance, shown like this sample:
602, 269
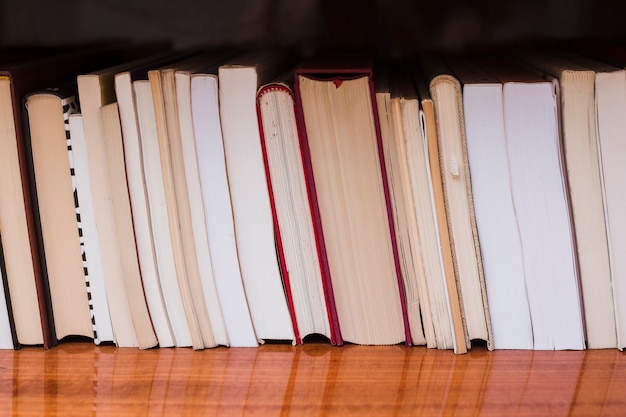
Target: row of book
225, 198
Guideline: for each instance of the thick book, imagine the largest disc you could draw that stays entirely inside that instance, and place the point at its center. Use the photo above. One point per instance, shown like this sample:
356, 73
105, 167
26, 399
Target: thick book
218, 211
496, 219
541, 202
136, 298
456, 180
346, 172
431, 149
47, 120
239, 80
582, 85
309, 295
402, 207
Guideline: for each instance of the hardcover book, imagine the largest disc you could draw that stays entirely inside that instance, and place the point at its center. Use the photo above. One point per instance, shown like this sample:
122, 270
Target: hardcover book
346, 173
309, 296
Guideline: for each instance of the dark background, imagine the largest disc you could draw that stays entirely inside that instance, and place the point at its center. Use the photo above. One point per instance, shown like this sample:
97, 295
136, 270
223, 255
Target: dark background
395, 27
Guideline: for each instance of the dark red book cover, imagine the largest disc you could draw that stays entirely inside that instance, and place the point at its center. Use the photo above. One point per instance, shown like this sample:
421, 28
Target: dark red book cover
338, 66
335, 334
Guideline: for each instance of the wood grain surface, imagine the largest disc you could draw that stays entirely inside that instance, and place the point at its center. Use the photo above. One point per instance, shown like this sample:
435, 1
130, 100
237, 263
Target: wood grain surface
315, 379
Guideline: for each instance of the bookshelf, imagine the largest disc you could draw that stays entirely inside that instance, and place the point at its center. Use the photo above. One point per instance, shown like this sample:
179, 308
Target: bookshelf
79, 378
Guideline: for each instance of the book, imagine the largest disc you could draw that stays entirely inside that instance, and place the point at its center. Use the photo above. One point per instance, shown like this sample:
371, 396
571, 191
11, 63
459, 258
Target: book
162, 300
496, 218
580, 88
47, 117
541, 204
218, 209
129, 313
8, 336
445, 91
402, 208
346, 169
239, 80
88, 233
158, 216
429, 134
309, 296
405, 107
142, 321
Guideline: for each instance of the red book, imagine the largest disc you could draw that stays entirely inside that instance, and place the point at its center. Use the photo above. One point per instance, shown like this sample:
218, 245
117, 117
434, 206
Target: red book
309, 292
350, 199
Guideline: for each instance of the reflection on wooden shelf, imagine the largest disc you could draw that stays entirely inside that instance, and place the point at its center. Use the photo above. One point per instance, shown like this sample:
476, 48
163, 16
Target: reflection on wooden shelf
313, 379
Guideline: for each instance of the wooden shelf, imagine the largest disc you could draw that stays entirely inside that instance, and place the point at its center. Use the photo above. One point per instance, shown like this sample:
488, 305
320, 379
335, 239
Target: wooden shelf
313, 379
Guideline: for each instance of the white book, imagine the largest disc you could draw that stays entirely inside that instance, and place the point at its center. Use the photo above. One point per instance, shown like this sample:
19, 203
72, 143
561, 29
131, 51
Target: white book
6, 335
576, 78
496, 219
92, 259
536, 169
254, 229
158, 213
196, 206
218, 210
140, 210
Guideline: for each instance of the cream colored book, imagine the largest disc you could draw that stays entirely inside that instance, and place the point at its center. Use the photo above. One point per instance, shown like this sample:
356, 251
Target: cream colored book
338, 106
445, 90
431, 150
112, 133
47, 113
413, 274
414, 151
22, 258
302, 271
